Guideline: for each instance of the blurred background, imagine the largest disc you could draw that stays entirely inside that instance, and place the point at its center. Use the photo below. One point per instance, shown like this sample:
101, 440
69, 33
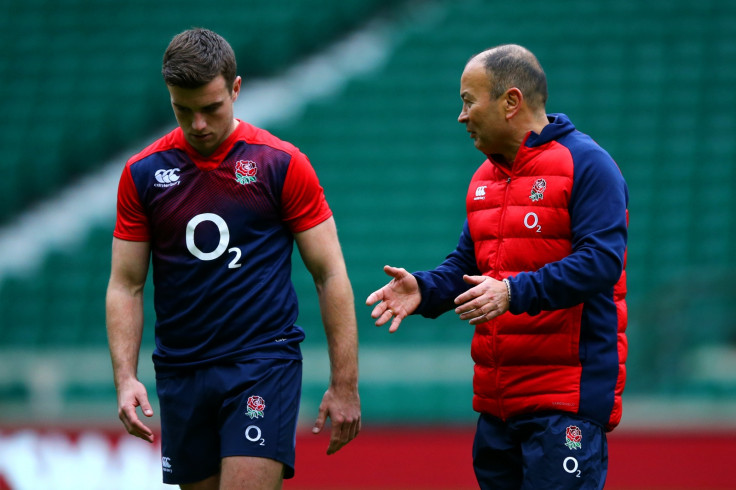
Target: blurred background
368, 89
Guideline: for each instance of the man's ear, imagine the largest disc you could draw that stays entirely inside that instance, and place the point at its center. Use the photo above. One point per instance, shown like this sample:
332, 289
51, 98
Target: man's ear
236, 87
513, 100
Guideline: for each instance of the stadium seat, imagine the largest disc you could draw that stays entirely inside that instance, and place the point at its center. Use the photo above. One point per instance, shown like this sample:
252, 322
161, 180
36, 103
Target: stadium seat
651, 82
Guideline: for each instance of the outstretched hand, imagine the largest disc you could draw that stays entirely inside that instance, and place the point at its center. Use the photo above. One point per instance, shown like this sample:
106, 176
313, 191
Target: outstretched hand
398, 299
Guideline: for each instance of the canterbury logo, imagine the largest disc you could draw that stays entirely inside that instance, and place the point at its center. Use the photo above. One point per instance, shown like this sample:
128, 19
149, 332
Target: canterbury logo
480, 192
167, 178
166, 465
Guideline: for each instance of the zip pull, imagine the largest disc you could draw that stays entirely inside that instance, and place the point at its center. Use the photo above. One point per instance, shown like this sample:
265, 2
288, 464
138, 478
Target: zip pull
508, 180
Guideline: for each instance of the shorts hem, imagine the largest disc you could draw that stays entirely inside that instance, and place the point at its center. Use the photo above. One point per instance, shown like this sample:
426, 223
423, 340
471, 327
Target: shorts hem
172, 480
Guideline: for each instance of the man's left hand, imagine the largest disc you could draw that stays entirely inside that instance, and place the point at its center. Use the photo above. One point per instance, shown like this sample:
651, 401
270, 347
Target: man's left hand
487, 299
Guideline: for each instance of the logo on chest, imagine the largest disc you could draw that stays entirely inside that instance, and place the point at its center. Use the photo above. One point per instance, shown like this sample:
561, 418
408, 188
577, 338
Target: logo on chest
167, 177
245, 171
540, 185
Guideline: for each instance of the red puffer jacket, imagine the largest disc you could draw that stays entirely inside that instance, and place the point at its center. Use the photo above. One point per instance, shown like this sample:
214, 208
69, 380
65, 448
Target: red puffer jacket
555, 225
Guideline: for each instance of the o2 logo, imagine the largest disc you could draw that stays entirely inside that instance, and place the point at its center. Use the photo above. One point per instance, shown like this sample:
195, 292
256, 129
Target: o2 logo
531, 221
570, 465
253, 434
221, 246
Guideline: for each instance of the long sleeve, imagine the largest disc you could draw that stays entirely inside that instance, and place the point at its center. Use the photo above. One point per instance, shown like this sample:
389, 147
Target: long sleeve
440, 286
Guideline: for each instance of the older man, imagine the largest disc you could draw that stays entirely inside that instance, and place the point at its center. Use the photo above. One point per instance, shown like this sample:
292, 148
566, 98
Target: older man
539, 272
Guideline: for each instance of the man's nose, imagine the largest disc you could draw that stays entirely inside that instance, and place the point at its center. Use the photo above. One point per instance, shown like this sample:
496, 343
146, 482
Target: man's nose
199, 123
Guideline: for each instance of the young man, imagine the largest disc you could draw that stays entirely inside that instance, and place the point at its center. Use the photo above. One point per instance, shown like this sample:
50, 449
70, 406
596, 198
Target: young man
216, 205
539, 272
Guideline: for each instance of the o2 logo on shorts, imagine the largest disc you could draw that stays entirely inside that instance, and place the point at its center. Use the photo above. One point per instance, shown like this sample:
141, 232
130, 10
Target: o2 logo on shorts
253, 434
573, 441
570, 465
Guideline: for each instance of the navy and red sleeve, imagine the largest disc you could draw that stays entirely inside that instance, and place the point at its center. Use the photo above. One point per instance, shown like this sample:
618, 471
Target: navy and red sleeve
132, 222
303, 198
439, 287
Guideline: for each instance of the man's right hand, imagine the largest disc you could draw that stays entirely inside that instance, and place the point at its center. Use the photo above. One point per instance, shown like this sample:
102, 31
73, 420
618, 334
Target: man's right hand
133, 394
398, 299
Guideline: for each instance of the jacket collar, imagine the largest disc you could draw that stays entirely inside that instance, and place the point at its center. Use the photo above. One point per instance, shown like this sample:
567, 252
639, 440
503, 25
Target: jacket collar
559, 125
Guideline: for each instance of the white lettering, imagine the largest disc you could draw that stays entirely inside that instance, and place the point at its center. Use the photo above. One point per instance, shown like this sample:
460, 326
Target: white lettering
222, 244
234, 264
224, 236
572, 460
167, 176
249, 433
534, 223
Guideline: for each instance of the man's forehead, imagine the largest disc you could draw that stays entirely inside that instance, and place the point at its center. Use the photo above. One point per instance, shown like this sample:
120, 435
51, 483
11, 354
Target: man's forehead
474, 74
210, 93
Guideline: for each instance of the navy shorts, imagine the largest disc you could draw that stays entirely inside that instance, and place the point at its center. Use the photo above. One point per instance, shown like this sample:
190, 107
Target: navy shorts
554, 450
248, 408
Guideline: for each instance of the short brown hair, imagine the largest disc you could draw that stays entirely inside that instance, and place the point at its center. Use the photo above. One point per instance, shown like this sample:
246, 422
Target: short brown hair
196, 57
511, 65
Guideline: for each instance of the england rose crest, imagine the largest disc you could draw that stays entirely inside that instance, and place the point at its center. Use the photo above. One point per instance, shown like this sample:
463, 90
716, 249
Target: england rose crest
538, 190
245, 171
256, 406
573, 436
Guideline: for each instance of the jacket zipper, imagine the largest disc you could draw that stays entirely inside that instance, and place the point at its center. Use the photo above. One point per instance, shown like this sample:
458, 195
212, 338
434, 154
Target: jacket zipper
495, 267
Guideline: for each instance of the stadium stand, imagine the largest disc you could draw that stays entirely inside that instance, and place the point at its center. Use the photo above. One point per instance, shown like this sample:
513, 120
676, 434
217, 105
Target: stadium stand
652, 82
81, 79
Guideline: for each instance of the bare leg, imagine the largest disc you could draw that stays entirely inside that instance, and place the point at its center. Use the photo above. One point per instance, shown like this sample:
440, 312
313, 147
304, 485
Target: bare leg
211, 483
247, 473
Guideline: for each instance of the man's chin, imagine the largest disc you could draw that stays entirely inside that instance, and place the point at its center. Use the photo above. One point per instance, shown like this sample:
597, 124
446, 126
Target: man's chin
202, 149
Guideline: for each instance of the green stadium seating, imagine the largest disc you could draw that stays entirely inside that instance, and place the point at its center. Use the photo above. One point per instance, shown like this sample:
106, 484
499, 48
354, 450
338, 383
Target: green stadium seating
651, 81
80, 79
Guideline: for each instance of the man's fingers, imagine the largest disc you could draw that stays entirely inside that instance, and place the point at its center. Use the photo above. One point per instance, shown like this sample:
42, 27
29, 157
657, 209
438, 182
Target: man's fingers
342, 433
146, 408
379, 311
474, 279
470, 301
320, 422
133, 424
143, 432
379, 295
469, 295
395, 324
382, 317
336, 442
382, 313
394, 272
385, 315
374, 296
481, 315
